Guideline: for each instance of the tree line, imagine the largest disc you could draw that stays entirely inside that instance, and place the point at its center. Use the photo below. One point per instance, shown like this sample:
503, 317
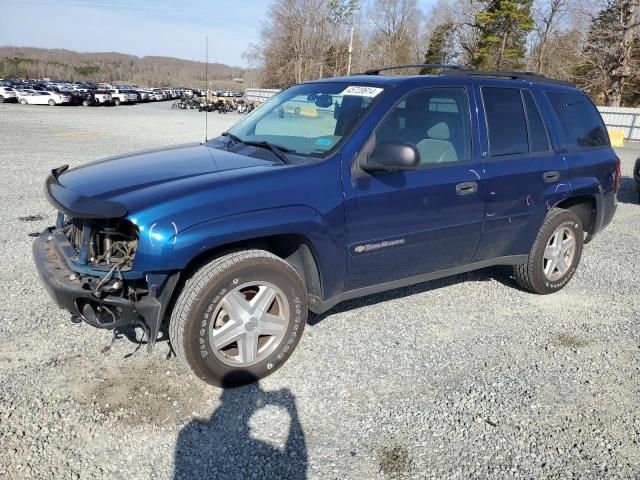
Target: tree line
593, 43
21, 62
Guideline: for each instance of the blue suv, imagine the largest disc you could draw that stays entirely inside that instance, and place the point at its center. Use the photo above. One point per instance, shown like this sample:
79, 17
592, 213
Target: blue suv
331, 190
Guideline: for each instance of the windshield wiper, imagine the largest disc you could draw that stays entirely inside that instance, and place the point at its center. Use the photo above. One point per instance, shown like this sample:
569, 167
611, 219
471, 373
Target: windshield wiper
277, 150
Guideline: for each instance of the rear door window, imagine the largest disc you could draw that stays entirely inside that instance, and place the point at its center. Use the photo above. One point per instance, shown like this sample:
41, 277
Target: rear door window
538, 139
506, 121
581, 126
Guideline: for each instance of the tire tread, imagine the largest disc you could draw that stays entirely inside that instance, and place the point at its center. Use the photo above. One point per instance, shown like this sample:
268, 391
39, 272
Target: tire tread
524, 274
190, 294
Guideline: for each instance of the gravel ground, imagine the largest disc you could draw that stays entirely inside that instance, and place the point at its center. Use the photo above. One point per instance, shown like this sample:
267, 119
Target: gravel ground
458, 378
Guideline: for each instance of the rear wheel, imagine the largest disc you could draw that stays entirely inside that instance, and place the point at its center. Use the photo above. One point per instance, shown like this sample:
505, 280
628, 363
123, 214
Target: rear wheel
23, 101
555, 254
239, 318
1, 99
52, 103
85, 103
116, 102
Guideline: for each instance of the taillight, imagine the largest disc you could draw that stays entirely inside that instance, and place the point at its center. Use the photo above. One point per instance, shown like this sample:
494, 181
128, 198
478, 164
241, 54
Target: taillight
618, 175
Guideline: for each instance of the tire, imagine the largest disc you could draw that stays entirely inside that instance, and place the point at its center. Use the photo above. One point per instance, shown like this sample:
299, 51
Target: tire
23, 101
1, 99
85, 103
531, 276
52, 103
231, 281
116, 102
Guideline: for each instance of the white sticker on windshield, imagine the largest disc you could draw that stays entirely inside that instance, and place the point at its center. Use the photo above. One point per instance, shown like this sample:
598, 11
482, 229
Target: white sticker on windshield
361, 91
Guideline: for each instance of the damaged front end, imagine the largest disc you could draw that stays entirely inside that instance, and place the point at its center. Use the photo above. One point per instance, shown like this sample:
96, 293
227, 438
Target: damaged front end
86, 264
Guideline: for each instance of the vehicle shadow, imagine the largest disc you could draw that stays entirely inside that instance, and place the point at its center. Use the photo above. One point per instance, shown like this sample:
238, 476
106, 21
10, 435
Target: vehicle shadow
502, 274
628, 192
223, 446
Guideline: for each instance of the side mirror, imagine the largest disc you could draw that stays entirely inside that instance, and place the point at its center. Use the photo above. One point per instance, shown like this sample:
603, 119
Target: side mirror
392, 156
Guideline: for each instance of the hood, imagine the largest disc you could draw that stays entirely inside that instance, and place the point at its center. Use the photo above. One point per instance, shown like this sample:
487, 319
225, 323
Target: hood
150, 176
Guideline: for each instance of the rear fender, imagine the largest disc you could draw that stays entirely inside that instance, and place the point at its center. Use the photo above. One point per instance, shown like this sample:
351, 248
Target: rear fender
590, 187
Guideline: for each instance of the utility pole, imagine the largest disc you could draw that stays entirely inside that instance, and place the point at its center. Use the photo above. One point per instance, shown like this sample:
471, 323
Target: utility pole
206, 85
350, 51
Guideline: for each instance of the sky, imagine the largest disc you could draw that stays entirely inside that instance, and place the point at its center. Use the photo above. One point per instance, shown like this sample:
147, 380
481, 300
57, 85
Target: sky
140, 27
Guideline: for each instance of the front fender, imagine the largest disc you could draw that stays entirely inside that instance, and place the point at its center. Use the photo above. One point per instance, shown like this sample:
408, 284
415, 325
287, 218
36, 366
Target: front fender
167, 249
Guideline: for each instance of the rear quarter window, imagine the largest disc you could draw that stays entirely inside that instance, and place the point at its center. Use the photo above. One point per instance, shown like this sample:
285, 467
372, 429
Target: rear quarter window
581, 126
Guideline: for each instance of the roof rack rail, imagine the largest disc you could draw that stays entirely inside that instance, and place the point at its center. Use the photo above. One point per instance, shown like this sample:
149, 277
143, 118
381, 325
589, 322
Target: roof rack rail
460, 70
526, 76
376, 71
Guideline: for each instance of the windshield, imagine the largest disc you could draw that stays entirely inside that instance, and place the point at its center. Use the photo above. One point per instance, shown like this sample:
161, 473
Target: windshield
308, 119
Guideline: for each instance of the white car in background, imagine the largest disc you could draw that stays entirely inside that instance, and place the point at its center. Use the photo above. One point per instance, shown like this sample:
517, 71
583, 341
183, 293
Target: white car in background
24, 92
59, 97
44, 98
102, 97
7, 94
123, 96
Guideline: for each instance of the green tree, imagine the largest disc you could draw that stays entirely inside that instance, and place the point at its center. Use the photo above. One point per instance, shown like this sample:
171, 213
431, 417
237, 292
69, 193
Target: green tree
503, 25
441, 47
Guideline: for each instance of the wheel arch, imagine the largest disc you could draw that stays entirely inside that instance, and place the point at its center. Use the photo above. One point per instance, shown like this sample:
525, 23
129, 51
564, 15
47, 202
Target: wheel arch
295, 249
585, 206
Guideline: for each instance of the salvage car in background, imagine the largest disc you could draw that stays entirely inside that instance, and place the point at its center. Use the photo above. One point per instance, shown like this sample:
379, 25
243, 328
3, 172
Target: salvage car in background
102, 97
7, 94
123, 96
44, 98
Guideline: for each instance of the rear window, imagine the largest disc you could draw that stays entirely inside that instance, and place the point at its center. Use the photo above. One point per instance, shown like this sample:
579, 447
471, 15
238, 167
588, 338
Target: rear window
580, 123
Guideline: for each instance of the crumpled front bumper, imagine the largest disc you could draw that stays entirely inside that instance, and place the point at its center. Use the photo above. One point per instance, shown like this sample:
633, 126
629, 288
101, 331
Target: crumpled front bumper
68, 289
73, 291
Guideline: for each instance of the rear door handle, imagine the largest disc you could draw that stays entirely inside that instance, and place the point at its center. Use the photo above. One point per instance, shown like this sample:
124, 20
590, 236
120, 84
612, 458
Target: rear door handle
552, 176
466, 188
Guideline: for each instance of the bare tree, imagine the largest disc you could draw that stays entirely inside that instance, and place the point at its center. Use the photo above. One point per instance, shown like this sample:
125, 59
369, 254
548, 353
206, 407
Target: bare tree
548, 16
610, 61
395, 24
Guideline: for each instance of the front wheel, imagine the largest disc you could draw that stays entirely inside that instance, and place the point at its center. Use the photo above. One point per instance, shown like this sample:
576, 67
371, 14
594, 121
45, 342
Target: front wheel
23, 101
239, 318
555, 254
116, 102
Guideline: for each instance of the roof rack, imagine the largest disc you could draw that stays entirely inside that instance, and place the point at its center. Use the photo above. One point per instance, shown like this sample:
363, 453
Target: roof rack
376, 71
460, 70
525, 76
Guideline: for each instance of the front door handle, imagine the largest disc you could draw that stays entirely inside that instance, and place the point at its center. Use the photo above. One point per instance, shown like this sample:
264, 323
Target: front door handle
552, 176
466, 188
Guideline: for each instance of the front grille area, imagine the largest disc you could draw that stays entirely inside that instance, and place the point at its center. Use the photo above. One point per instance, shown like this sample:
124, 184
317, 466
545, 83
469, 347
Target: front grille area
107, 242
73, 231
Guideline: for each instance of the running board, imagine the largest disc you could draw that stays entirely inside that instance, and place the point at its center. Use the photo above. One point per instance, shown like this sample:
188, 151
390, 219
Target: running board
317, 305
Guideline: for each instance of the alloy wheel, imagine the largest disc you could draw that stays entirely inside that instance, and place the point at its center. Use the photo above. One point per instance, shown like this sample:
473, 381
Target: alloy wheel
249, 324
559, 253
